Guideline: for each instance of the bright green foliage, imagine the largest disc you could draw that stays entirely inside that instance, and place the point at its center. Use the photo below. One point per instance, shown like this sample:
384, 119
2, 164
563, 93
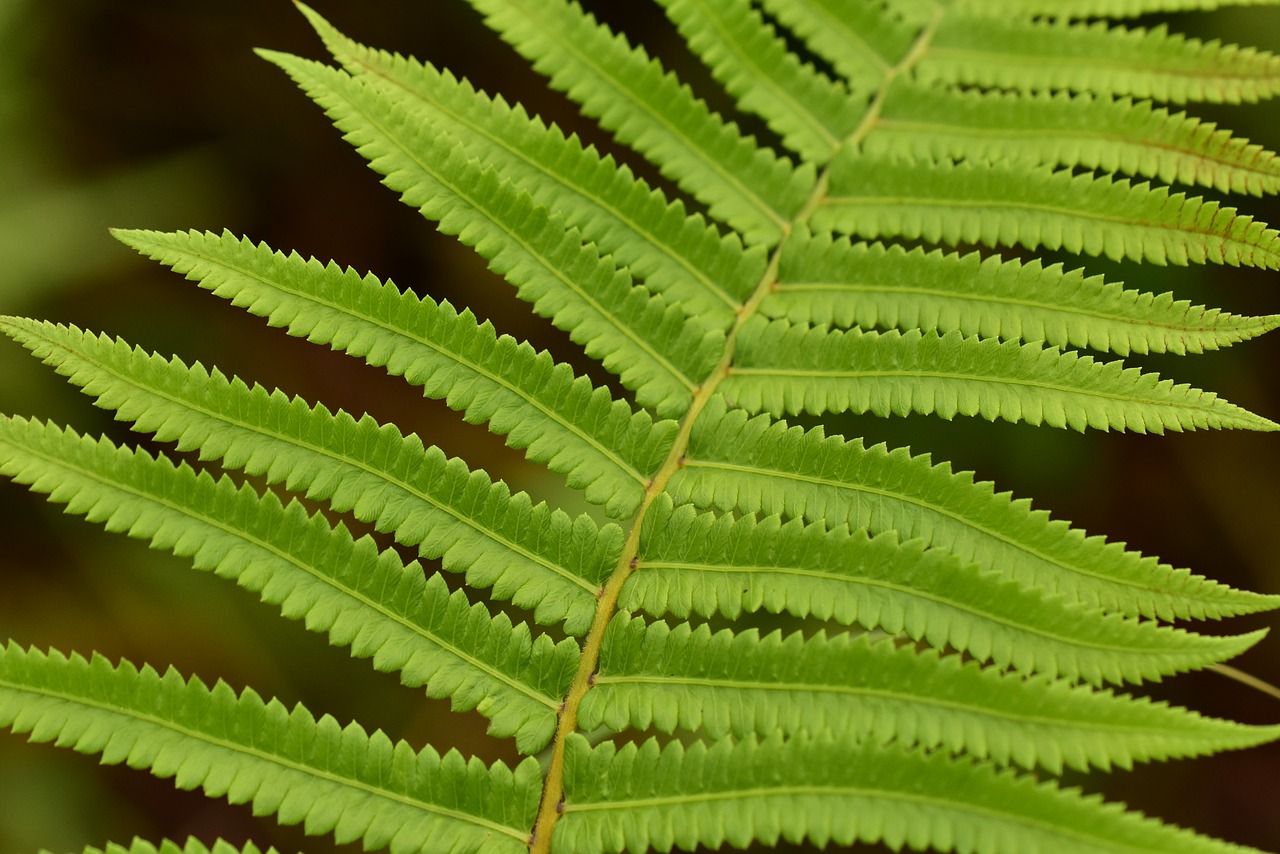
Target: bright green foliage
825, 791
762, 466
978, 49
1096, 8
1032, 206
332, 778
720, 684
717, 565
947, 647
811, 112
599, 444
364, 599
192, 846
857, 39
744, 185
1120, 135
826, 282
807, 369
673, 253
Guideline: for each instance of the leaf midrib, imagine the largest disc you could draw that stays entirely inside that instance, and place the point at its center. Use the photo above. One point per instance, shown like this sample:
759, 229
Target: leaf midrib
552, 804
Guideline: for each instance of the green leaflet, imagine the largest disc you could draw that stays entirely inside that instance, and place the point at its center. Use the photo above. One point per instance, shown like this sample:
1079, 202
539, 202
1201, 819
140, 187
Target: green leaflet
855, 690
1107, 134
743, 184
785, 369
811, 112
335, 779
536, 557
364, 599
1012, 205
599, 444
909, 13
698, 564
831, 282
1095, 8
673, 253
978, 49
191, 846
655, 349
754, 466
858, 40
820, 791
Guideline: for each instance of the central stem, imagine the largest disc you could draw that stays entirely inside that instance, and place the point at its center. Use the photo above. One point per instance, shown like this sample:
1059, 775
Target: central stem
552, 803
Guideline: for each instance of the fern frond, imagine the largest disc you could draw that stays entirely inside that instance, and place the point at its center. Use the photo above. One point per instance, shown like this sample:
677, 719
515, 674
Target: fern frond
859, 41
710, 566
756, 466
784, 369
821, 791
977, 49
598, 443
364, 599
810, 112
831, 282
720, 684
1083, 130
674, 254
1035, 207
538, 558
741, 183
191, 846
1096, 8
955, 645
656, 349
331, 779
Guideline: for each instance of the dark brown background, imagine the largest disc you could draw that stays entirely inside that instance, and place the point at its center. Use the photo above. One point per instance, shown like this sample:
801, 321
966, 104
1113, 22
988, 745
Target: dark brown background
157, 115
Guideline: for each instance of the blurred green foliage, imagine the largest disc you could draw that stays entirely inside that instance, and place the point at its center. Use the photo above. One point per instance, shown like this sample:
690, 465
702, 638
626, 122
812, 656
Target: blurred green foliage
157, 115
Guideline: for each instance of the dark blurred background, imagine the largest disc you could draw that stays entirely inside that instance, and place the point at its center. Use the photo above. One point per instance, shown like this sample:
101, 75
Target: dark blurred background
158, 115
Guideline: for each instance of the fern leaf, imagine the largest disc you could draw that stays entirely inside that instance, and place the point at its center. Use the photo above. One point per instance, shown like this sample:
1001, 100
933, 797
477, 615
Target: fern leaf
830, 282
333, 779
654, 347
599, 444
674, 254
810, 112
1034, 207
537, 558
859, 41
721, 684
785, 369
364, 599
978, 49
710, 566
820, 791
191, 846
911, 14
650, 110
1096, 8
1111, 135
754, 466
957, 646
